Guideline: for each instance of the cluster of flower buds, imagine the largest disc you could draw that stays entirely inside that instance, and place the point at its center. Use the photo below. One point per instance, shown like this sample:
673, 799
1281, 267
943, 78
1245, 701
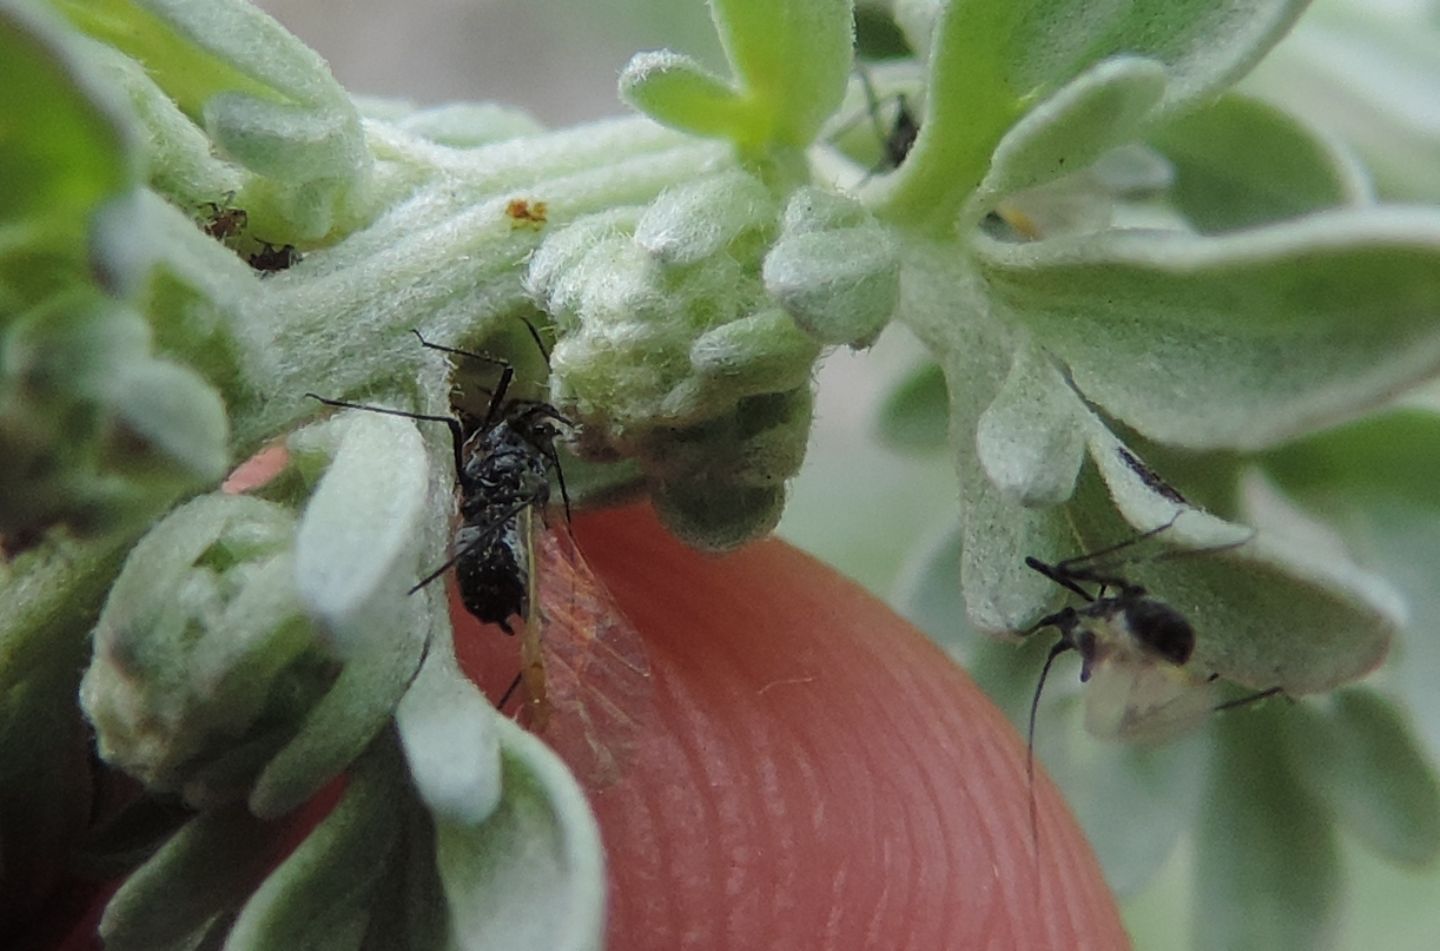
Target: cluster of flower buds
689, 331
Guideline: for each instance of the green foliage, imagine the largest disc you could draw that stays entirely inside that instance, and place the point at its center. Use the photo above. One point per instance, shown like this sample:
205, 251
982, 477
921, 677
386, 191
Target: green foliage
1137, 290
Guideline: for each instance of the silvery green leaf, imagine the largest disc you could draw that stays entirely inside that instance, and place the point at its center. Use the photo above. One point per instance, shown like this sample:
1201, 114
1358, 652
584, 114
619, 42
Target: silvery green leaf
1000, 593
203, 871
163, 698
266, 100
1245, 592
468, 125
65, 147
531, 875
355, 561
1374, 480
789, 60
356, 545
698, 220
321, 895
448, 733
1100, 109
834, 268
755, 354
1030, 439
1360, 757
675, 90
1267, 860
991, 62
98, 432
1240, 162
1259, 336
1366, 74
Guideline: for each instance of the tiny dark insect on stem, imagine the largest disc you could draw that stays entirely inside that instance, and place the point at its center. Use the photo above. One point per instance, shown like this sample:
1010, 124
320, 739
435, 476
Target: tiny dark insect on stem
270, 258
895, 141
222, 220
899, 139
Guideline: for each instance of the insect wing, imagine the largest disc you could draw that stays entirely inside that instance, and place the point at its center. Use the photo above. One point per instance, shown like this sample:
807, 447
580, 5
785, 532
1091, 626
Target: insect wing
1144, 700
532, 656
597, 674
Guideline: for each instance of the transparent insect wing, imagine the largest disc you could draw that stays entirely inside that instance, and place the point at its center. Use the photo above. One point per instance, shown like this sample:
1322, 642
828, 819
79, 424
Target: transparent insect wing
1138, 698
591, 660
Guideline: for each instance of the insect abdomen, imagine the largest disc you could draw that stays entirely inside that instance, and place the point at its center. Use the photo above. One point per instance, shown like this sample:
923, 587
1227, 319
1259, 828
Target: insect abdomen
493, 578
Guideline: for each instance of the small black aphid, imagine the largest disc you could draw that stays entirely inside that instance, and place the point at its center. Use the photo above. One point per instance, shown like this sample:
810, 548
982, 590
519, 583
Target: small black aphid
270, 259
223, 221
897, 141
502, 467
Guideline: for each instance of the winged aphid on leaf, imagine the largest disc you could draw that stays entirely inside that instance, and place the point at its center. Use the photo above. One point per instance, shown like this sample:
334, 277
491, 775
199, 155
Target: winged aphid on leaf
1134, 648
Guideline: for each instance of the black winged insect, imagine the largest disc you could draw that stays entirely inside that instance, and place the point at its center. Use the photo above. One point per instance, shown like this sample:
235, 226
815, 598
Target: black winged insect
897, 141
502, 469
896, 137
589, 679
1133, 647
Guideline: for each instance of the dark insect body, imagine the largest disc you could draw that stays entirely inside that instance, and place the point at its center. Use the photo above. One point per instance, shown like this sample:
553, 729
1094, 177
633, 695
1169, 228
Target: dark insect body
587, 685
1133, 649
270, 259
897, 141
1137, 644
502, 470
222, 221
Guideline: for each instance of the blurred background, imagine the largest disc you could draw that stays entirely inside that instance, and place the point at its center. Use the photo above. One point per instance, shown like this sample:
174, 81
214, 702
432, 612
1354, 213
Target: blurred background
867, 509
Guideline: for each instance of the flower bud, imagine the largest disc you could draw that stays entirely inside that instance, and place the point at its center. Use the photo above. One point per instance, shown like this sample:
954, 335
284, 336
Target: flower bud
669, 345
203, 656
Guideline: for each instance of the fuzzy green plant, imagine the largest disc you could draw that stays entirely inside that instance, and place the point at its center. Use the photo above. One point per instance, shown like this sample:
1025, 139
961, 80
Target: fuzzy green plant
1149, 301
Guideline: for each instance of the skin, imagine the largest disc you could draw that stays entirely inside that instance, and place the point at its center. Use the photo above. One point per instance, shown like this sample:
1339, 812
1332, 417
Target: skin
810, 772
805, 771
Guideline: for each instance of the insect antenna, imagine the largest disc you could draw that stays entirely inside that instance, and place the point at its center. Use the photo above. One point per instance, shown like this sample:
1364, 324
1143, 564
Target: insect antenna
457, 434
1061, 646
497, 396
1068, 566
1247, 700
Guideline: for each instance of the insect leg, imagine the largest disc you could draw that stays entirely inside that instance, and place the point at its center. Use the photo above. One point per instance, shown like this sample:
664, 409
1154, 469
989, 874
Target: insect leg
497, 398
509, 692
457, 435
554, 459
1247, 700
